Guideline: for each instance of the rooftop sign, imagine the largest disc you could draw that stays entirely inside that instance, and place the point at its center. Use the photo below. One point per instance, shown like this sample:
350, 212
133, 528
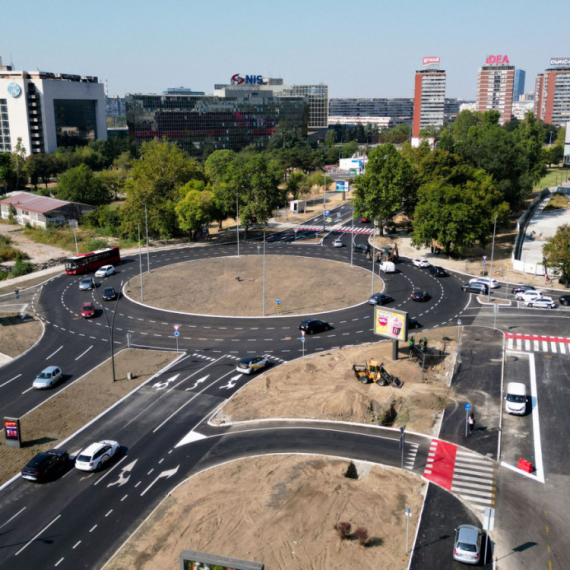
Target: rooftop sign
561, 61
431, 60
237, 79
497, 60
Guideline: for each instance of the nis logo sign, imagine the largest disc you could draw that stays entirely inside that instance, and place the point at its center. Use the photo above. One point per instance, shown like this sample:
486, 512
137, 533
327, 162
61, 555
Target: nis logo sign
237, 79
497, 60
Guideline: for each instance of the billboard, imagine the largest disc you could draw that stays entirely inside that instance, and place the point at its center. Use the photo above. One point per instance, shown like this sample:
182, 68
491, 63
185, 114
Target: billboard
342, 185
497, 60
431, 60
12, 432
391, 323
192, 560
561, 61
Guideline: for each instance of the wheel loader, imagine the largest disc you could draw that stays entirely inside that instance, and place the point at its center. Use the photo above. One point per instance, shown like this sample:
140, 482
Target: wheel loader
374, 371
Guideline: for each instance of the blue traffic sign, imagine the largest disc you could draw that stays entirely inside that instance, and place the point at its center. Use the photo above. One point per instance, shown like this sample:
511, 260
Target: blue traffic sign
327, 212
176, 333
467, 407
278, 301
302, 339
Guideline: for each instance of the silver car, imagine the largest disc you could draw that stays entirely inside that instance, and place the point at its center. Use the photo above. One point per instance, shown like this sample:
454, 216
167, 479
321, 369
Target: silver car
47, 378
467, 546
86, 284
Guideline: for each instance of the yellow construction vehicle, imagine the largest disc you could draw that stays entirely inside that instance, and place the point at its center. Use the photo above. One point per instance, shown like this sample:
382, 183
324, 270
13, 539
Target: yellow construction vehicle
374, 371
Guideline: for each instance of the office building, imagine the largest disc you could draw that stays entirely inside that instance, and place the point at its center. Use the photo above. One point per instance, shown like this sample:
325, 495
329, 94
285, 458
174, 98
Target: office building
181, 91
518, 87
115, 106
495, 87
399, 107
521, 108
48, 110
232, 119
429, 97
552, 93
317, 96
380, 122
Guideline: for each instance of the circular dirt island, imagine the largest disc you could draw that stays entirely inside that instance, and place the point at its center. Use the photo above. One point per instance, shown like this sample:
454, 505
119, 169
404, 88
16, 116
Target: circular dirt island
233, 286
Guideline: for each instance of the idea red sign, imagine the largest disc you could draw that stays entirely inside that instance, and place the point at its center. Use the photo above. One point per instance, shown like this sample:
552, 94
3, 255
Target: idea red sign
497, 60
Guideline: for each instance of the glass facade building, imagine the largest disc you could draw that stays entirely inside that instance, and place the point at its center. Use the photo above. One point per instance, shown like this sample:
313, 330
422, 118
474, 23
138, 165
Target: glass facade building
75, 122
5, 144
197, 122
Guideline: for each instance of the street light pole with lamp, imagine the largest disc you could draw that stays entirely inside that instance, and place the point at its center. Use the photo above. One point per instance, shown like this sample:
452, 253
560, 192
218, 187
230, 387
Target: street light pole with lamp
110, 326
147, 242
492, 255
237, 221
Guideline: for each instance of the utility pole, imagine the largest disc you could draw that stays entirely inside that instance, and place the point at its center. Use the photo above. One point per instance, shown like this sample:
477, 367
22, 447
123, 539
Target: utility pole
140, 263
492, 255
264, 273
110, 326
325, 205
237, 221
373, 256
352, 234
147, 242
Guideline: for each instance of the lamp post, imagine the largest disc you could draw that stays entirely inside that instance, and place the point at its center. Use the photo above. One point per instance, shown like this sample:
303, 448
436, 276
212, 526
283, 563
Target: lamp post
110, 326
140, 263
147, 242
325, 204
373, 256
352, 234
264, 273
458, 340
492, 255
237, 221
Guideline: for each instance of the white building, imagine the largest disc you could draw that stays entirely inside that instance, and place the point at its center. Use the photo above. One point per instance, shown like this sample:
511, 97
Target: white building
521, 108
47, 110
381, 122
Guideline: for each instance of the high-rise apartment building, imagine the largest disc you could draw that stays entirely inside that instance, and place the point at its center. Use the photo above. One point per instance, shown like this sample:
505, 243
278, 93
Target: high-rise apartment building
495, 87
552, 93
429, 96
518, 88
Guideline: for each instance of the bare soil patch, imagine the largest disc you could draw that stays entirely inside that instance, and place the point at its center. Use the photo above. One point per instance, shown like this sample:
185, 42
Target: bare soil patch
17, 335
38, 252
234, 286
71, 409
281, 510
323, 386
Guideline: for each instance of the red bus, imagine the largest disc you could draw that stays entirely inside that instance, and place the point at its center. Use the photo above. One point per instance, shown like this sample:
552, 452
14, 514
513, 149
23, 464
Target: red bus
86, 262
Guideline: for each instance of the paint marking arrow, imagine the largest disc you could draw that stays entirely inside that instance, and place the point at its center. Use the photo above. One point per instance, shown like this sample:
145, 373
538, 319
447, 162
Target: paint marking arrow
198, 382
165, 474
231, 383
162, 385
124, 475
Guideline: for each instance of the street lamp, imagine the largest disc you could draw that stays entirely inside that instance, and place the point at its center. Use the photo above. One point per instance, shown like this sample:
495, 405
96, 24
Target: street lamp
237, 221
147, 242
325, 204
140, 263
352, 234
112, 324
492, 255
458, 340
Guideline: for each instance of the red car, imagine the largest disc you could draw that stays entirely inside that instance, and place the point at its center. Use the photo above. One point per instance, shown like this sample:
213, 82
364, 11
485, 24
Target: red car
88, 310
364, 220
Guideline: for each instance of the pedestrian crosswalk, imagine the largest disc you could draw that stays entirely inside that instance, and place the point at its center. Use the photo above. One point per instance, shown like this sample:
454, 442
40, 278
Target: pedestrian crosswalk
474, 480
411, 456
337, 228
538, 343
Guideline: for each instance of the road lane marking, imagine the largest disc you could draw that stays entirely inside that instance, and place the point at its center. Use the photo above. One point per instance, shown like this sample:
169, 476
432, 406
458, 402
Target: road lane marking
43, 529
54, 353
12, 518
74, 547
30, 388
108, 513
93, 528
59, 561
84, 353
8, 382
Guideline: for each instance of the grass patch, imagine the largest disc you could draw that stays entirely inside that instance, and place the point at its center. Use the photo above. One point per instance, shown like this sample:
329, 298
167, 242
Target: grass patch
557, 202
553, 176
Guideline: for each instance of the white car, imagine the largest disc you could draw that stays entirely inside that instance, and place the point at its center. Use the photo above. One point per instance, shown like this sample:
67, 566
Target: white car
541, 303
421, 262
96, 455
251, 364
105, 271
491, 283
338, 242
528, 295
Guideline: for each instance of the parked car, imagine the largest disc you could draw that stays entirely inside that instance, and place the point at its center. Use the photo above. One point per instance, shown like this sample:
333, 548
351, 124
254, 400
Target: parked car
311, 326
361, 247
413, 323
516, 398
493, 283
479, 288
437, 271
564, 299
541, 303
44, 465
420, 295
522, 289
251, 364
88, 310
364, 220
109, 294
86, 284
48, 378
467, 545
379, 299
96, 455
527, 295
421, 262
105, 271
338, 242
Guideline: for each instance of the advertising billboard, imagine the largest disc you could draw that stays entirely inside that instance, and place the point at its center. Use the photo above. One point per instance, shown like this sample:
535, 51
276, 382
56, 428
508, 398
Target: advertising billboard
431, 60
560, 61
12, 432
192, 560
342, 186
497, 60
391, 323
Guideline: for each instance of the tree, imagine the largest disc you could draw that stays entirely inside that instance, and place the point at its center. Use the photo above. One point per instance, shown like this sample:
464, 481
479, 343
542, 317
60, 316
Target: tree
217, 165
113, 180
18, 159
7, 174
554, 154
330, 138
388, 180
463, 123
194, 210
295, 184
79, 185
40, 166
556, 252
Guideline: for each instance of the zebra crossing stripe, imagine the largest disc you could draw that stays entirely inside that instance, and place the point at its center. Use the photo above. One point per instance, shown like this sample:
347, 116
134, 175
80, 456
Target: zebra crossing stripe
527, 344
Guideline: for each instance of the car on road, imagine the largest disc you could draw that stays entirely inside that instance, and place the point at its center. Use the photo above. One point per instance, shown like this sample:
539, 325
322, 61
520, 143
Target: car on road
311, 326
413, 323
96, 455
109, 294
44, 465
493, 283
338, 242
522, 289
467, 545
516, 398
88, 310
86, 284
437, 271
541, 303
380, 299
251, 364
105, 271
47, 378
421, 262
420, 295
364, 220
528, 295
361, 248
479, 288
564, 299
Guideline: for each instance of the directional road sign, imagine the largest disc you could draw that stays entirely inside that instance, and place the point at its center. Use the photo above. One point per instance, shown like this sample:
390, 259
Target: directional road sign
176, 333
278, 301
302, 339
467, 407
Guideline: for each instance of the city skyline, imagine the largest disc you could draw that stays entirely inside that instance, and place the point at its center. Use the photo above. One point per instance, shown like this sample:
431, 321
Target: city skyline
375, 54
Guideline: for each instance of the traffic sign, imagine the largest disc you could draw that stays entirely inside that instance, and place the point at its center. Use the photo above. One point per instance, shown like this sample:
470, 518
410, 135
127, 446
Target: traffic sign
17, 291
302, 339
467, 407
176, 333
278, 301
408, 512
176, 327
327, 212
302, 333
329, 219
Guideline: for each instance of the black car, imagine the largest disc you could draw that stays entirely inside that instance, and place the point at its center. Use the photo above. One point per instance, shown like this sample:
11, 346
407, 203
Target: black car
379, 299
109, 294
420, 295
565, 300
311, 326
413, 323
437, 271
45, 464
522, 289
361, 248
480, 288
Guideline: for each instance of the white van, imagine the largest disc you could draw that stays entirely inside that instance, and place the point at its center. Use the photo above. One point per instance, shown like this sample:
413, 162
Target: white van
387, 267
516, 398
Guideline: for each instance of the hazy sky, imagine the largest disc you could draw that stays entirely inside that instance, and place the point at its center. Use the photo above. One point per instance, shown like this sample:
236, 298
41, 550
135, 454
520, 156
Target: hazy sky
360, 48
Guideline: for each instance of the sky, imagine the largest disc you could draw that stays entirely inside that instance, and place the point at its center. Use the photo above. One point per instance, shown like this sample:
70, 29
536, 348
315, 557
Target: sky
359, 48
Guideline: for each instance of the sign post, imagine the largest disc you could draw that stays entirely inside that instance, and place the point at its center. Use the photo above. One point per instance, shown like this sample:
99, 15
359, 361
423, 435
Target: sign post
402, 443
496, 311
12, 432
408, 513
278, 302
128, 340
488, 525
176, 335
303, 342
467, 408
